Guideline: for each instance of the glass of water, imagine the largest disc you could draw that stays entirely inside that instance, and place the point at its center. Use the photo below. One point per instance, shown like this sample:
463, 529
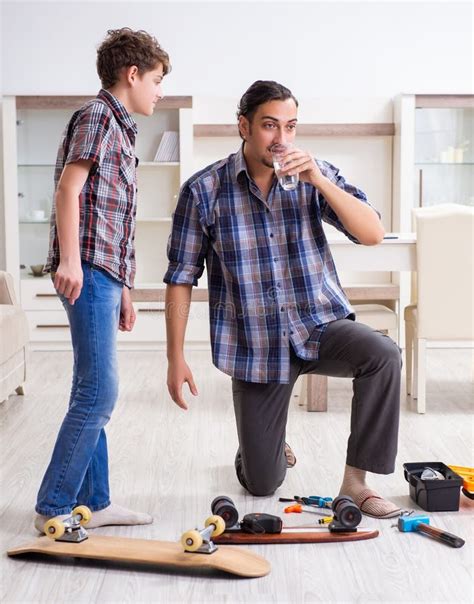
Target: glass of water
287, 182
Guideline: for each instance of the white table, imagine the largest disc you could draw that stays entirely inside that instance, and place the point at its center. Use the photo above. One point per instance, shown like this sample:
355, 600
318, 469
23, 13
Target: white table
397, 252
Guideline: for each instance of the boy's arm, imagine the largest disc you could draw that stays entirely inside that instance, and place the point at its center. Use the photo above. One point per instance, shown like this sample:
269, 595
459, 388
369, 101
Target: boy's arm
68, 278
178, 299
127, 312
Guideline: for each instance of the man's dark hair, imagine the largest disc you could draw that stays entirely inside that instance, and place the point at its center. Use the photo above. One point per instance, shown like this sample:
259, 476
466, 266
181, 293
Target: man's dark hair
123, 48
260, 92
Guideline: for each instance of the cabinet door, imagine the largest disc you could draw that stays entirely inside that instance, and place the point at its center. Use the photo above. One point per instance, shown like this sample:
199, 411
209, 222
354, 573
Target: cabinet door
38, 293
39, 132
444, 156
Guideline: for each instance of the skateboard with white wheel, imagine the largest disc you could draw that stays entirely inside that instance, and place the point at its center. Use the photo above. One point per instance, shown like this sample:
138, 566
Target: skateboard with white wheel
196, 549
71, 528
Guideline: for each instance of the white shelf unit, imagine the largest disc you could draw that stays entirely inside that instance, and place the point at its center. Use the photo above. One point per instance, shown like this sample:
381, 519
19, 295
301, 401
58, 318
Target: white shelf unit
32, 131
417, 170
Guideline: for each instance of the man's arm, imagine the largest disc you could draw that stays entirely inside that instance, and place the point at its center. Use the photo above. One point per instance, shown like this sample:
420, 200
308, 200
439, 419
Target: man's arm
357, 217
68, 278
178, 300
187, 249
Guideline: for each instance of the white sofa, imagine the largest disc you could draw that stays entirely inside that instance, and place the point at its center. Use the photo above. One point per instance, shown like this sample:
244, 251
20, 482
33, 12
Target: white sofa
13, 340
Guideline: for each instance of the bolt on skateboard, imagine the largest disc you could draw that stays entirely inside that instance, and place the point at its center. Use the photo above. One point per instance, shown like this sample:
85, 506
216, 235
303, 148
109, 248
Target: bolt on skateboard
68, 537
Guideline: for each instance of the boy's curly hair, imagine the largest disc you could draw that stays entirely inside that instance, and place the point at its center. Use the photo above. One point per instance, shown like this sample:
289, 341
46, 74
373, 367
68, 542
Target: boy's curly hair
124, 48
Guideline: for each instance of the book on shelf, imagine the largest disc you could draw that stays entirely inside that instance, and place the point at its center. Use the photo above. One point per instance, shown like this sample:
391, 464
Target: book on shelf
168, 149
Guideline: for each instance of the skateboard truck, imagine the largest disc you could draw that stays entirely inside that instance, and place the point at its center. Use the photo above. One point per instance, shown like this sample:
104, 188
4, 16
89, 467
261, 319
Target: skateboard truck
70, 529
421, 524
199, 541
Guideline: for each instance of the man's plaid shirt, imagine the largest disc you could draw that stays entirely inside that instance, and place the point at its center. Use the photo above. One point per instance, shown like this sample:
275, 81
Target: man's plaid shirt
102, 131
271, 276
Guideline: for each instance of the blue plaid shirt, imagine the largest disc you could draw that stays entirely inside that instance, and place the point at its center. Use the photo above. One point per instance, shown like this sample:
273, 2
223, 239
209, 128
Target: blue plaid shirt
271, 276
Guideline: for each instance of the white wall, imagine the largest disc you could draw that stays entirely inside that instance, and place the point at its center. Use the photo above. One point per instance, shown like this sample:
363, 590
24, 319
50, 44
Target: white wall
345, 61
331, 49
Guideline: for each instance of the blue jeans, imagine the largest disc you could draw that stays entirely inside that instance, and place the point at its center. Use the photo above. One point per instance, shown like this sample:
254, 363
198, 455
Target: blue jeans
78, 470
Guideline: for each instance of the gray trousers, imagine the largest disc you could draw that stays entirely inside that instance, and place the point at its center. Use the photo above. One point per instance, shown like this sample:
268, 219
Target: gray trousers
348, 349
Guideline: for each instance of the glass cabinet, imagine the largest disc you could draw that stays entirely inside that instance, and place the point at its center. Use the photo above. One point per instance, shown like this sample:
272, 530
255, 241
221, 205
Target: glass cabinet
32, 128
433, 153
444, 155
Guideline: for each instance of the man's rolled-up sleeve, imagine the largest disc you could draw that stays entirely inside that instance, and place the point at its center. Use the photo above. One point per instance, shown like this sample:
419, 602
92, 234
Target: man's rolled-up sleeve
327, 213
187, 243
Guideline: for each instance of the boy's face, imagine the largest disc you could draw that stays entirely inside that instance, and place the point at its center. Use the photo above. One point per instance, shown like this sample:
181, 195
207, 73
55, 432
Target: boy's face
146, 90
273, 123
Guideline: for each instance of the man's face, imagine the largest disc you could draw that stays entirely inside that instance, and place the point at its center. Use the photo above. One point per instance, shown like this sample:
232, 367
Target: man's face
147, 90
273, 123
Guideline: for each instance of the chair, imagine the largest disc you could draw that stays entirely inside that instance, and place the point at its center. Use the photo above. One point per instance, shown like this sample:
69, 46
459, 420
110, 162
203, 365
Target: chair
13, 340
443, 311
313, 391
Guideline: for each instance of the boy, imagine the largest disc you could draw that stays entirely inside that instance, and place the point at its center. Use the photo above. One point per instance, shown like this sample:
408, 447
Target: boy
92, 261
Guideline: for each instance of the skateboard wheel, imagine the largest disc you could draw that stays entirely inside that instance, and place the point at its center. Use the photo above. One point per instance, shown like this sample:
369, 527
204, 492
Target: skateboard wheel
84, 512
54, 528
224, 506
191, 540
218, 522
346, 511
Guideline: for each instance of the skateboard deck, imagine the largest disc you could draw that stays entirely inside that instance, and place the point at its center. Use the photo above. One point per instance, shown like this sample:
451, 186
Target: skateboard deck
316, 536
155, 553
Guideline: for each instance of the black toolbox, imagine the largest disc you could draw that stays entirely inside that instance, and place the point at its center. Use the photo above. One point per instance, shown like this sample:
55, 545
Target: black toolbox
433, 495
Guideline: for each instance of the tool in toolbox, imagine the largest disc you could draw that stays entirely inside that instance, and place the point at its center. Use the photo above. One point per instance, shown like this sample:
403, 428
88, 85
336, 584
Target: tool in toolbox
421, 524
197, 550
434, 486
467, 474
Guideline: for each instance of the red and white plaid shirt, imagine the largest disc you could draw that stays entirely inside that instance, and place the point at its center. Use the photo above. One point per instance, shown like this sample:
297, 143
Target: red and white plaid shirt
102, 131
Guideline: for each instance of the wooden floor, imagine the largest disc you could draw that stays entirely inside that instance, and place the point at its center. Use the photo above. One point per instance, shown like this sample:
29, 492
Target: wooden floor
172, 463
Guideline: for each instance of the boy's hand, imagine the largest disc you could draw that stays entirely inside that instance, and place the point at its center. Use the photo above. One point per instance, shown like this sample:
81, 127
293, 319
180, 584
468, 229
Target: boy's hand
68, 280
127, 312
178, 373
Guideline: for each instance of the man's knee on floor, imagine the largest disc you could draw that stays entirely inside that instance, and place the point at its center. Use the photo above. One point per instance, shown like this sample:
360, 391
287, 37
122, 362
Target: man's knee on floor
263, 486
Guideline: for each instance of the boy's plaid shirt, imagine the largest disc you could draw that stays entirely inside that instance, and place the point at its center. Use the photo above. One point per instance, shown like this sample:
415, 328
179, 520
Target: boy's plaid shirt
102, 131
271, 276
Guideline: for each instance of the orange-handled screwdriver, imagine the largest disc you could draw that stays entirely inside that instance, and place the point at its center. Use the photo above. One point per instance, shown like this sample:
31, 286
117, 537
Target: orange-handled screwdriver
294, 509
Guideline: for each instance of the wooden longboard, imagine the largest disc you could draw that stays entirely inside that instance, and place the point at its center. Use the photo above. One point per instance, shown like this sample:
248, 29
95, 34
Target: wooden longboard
241, 538
144, 551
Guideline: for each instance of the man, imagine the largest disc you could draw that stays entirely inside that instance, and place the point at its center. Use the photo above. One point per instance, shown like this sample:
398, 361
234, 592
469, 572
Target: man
276, 305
